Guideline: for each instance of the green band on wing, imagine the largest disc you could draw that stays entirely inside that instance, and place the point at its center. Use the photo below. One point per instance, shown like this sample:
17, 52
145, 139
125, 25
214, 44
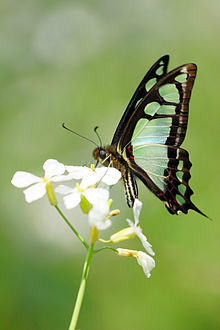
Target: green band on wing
154, 131
150, 83
151, 108
181, 78
167, 110
180, 199
159, 71
170, 93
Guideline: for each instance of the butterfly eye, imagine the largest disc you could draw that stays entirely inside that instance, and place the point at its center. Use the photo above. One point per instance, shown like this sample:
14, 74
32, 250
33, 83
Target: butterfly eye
102, 154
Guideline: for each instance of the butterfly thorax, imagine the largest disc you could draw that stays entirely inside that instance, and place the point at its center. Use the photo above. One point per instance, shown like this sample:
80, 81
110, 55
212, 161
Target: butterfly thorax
109, 156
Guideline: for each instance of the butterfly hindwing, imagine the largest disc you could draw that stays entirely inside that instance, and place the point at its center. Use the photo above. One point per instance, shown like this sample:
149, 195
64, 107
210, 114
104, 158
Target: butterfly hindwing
166, 172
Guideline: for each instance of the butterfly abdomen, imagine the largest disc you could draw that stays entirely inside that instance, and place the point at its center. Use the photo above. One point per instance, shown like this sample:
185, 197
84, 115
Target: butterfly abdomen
130, 186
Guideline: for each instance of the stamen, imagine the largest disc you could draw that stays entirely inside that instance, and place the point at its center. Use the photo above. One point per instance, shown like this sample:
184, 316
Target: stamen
79, 189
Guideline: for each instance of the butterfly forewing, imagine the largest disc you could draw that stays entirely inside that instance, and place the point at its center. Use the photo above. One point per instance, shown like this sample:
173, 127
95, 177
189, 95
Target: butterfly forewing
156, 72
163, 111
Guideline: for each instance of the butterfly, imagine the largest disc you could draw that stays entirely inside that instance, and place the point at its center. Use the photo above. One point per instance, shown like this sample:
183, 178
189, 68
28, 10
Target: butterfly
147, 141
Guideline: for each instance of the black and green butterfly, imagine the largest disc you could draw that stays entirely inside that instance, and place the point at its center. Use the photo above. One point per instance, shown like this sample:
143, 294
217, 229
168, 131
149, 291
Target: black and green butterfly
147, 141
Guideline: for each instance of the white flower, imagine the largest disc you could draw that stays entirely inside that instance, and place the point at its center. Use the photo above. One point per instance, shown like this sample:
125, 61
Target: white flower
93, 201
91, 176
134, 228
144, 260
99, 214
141, 236
53, 172
75, 195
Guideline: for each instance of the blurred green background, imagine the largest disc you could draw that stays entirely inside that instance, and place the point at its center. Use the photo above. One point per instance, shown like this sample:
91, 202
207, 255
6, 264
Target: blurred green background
79, 62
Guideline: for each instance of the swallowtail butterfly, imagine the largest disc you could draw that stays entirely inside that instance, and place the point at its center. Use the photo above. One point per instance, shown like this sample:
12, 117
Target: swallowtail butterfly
147, 141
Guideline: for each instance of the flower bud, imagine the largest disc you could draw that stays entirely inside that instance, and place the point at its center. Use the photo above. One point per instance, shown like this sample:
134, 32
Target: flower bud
50, 194
122, 235
110, 201
85, 205
94, 234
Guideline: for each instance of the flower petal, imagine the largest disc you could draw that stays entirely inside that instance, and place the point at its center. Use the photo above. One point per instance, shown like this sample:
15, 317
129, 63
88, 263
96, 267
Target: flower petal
146, 262
137, 210
72, 200
52, 167
145, 243
89, 180
95, 194
108, 175
64, 190
142, 237
24, 179
97, 215
35, 192
77, 172
60, 178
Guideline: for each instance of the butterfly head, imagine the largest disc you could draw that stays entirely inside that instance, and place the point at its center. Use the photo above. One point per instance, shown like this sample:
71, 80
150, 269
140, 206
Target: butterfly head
102, 155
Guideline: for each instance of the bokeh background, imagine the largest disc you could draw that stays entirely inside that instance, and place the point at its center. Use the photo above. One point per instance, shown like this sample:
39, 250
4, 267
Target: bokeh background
79, 62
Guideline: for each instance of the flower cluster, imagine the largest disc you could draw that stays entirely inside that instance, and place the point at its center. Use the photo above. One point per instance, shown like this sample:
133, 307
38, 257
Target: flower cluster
92, 199
91, 193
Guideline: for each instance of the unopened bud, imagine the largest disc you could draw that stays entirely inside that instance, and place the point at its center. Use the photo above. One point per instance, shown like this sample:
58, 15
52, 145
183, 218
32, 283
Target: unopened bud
122, 235
85, 205
94, 234
110, 201
50, 194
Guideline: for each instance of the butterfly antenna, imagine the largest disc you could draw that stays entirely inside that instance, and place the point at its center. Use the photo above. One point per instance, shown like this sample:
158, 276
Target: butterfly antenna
83, 137
95, 130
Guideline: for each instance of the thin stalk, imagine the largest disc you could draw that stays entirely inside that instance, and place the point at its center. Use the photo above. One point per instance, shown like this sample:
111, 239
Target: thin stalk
72, 228
81, 291
105, 248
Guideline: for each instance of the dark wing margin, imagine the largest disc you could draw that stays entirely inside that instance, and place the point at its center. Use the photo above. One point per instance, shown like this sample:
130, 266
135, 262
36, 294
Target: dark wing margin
156, 72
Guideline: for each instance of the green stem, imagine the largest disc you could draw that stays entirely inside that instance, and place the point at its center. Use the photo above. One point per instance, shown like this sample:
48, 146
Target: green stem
72, 228
81, 291
105, 248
